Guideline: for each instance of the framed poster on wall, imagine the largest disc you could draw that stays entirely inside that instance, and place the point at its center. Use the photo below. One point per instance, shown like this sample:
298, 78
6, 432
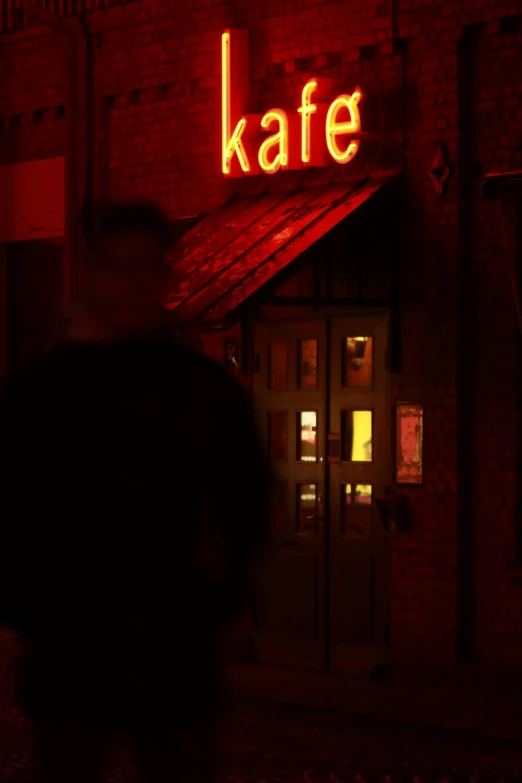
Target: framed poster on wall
409, 424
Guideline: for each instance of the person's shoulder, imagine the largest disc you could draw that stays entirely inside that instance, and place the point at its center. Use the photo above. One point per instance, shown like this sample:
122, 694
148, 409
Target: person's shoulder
210, 368
41, 385
63, 361
187, 365
37, 372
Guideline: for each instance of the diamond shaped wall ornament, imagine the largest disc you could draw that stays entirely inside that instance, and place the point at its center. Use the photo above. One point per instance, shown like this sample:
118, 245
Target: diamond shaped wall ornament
439, 171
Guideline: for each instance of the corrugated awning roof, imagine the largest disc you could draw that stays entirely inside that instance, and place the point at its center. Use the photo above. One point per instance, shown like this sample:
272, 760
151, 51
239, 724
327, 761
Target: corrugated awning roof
240, 247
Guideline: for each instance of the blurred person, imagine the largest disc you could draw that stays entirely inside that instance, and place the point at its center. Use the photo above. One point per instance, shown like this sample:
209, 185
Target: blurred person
127, 275
135, 508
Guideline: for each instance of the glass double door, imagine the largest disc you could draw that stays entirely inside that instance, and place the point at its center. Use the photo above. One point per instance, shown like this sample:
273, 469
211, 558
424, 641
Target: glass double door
321, 398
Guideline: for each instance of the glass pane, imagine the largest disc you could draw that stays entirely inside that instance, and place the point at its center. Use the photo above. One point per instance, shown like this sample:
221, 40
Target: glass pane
357, 362
356, 436
277, 435
307, 436
308, 364
306, 517
356, 510
278, 367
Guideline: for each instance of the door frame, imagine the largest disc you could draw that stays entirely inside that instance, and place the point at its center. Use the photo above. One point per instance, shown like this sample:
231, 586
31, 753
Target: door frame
378, 654
292, 546
360, 658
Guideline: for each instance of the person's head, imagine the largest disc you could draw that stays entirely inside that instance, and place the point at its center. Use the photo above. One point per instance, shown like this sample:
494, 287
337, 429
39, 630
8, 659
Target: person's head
132, 235
128, 270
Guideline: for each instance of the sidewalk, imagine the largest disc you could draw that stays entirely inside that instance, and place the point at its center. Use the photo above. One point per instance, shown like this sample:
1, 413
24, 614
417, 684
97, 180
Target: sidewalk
473, 703
466, 702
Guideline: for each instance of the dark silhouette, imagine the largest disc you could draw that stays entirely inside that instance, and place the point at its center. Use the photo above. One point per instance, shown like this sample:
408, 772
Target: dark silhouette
135, 508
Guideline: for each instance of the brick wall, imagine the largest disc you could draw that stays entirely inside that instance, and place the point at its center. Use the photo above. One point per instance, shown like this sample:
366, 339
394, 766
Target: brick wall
164, 122
424, 565
32, 90
158, 76
499, 114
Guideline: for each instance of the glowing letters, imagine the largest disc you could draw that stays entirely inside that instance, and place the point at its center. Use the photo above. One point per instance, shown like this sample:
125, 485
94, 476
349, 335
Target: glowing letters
341, 123
306, 109
335, 128
279, 139
232, 144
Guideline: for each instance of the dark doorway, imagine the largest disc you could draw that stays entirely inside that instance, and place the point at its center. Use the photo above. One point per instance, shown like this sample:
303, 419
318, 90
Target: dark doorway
325, 584
34, 298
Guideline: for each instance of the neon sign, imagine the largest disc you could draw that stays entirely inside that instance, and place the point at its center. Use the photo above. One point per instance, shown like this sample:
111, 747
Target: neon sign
232, 143
278, 141
306, 109
308, 137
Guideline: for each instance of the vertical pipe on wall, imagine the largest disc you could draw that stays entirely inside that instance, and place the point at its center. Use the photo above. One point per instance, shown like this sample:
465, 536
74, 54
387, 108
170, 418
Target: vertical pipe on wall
512, 241
89, 151
510, 255
466, 631
72, 116
518, 275
11, 326
3, 307
400, 46
104, 148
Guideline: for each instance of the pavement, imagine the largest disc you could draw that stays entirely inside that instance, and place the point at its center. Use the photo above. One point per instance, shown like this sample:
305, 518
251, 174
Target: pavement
462, 702
289, 727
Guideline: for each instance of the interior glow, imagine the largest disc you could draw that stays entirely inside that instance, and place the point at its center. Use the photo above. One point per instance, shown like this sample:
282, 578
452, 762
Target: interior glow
362, 436
279, 139
360, 494
306, 109
230, 144
308, 436
335, 128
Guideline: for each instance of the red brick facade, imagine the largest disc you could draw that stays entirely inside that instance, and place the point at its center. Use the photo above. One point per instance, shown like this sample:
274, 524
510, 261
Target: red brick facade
157, 134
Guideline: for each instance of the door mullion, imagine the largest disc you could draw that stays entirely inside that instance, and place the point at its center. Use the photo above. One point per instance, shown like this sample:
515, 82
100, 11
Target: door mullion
358, 385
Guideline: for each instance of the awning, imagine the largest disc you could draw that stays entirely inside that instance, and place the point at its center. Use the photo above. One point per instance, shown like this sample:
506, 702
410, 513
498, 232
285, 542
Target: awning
235, 251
